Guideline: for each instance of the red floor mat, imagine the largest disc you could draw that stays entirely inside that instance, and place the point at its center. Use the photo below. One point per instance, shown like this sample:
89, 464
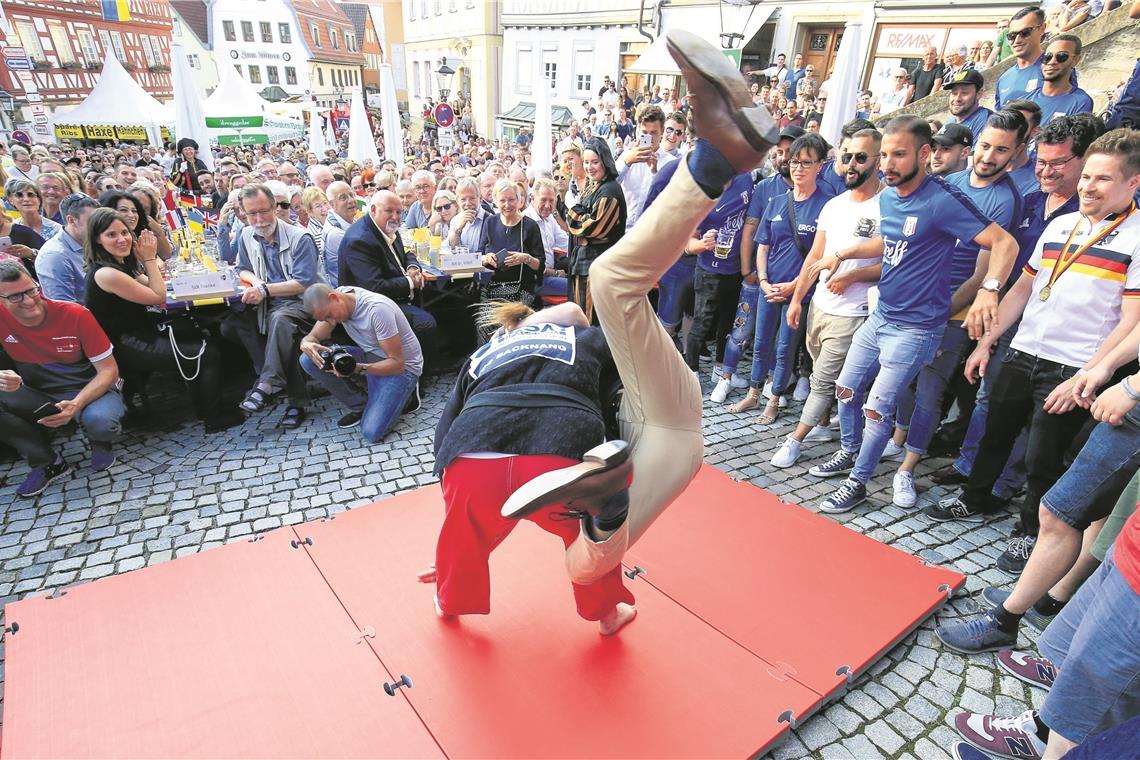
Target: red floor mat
793, 587
241, 651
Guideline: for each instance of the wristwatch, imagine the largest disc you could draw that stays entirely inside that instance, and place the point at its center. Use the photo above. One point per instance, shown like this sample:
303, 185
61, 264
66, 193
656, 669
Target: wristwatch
993, 285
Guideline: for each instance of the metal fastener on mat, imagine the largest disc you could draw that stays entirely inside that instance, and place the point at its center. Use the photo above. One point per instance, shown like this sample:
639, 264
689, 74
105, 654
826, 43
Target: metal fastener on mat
945, 589
390, 688
846, 672
636, 571
12, 629
297, 544
787, 717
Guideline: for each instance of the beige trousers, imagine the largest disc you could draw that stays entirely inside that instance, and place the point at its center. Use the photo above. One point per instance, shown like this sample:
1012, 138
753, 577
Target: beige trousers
660, 413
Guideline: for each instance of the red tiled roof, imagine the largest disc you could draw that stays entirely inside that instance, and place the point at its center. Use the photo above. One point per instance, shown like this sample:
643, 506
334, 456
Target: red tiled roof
193, 12
323, 13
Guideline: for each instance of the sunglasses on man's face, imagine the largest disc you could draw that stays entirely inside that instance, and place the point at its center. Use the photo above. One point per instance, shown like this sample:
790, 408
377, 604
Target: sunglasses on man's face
674, 130
1023, 32
854, 158
284, 205
1058, 57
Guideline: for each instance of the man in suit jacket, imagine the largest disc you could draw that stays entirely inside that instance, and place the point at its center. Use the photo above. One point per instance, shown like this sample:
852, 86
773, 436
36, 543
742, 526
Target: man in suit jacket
372, 257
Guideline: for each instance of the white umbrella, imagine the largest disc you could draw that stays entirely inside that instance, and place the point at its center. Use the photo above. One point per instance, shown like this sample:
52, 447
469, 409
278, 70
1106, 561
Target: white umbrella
188, 118
316, 134
330, 131
540, 158
361, 143
844, 84
390, 115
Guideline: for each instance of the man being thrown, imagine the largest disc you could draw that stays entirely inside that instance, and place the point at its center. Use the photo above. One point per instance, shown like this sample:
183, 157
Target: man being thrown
660, 412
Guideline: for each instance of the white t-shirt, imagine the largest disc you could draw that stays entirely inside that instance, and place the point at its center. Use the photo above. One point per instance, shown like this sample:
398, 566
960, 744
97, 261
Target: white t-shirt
377, 318
1084, 303
845, 223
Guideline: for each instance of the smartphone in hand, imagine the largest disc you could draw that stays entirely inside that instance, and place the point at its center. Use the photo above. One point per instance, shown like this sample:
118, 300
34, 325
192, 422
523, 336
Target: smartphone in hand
47, 410
5, 243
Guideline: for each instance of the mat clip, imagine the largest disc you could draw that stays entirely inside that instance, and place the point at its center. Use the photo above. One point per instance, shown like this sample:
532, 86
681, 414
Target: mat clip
12, 629
636, 571
257, 538
846, 672
787, 717
297, 544
367, 632
390, 688
945, 589
781, 670
57, 594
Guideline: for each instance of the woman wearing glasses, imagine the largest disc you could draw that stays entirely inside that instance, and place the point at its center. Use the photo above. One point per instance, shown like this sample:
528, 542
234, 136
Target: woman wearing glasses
123, 283
22, 242
446, 206
26, 198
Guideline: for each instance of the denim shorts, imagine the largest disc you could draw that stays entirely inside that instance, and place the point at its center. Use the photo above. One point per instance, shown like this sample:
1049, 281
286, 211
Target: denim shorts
1089, 489
1095, 644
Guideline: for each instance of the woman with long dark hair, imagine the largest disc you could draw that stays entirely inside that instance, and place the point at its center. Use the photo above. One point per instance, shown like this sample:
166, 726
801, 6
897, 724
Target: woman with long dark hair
134, 212
123, 281
595, 223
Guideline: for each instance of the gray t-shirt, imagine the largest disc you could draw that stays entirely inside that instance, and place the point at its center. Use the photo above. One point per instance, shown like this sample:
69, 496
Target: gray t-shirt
378, 318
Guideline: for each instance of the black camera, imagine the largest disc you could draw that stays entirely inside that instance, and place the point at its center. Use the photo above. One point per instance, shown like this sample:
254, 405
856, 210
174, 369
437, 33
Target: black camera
339, 360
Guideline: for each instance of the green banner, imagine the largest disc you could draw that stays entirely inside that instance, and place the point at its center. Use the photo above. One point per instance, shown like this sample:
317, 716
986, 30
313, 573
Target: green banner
234, 122
732, 55
248, 138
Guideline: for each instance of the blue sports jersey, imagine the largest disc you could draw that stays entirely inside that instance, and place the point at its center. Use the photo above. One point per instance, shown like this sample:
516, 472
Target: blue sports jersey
919, 234
1026, 178
727, 217
1033, 223
829, 179
1000, 203
975, 122
1074, 101
1016, 83
766, 189
775, 231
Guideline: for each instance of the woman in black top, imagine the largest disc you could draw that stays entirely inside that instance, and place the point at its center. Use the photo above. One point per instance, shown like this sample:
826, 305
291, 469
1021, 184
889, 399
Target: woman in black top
184, 173
123, 280
595, 223
519, 274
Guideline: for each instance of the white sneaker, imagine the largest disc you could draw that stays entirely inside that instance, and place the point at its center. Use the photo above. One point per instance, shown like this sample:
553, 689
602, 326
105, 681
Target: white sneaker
819, 433
893, 452
788, 453
768, 389
738, 382
803, 388
717, 371
903, 487
720, 392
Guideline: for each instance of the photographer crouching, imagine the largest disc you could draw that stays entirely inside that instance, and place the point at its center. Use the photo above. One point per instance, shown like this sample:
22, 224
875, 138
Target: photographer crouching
378, 377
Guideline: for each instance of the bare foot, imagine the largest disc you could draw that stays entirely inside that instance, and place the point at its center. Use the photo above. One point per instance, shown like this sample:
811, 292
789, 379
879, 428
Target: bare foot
751, 401
616, 619
439, 611
427, 576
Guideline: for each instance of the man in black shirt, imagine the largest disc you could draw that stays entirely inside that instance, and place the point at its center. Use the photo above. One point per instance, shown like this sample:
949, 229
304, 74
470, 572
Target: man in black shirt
927, 78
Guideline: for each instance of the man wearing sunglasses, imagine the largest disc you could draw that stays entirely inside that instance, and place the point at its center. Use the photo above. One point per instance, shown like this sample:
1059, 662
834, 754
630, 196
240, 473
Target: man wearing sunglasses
1024, 33
1058, 95
59, 369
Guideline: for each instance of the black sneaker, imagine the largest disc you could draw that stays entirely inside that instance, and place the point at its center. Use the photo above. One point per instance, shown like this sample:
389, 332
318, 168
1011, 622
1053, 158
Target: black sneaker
951, 509
845, 498
948, 477
1016, 554
350, 420
840, 463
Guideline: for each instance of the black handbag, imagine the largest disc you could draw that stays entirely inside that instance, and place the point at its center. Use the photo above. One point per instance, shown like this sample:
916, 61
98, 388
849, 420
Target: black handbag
508, 291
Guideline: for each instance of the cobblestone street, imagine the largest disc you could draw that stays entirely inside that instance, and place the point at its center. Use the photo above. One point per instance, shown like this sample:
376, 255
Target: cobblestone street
175, 492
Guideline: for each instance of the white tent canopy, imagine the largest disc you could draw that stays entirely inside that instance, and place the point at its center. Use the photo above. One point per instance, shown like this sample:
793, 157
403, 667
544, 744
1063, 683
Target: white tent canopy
118, 100
843, 85
361, 143
656, 60
188, 119
390, 117
240, 107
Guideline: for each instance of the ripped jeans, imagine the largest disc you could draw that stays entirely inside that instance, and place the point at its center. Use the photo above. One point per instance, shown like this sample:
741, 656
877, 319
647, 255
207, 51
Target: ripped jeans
884, 357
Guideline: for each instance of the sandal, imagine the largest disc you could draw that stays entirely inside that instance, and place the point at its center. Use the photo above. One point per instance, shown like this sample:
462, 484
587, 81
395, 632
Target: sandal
255, 401
771, 412
750, 401
294, 416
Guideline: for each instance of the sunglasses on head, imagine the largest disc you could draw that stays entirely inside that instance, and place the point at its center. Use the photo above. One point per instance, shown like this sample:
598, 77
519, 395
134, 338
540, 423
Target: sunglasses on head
1023, 32
1058, 57
854, 158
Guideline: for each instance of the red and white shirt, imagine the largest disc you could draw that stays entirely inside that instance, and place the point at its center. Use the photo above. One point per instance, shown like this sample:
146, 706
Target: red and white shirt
69, 335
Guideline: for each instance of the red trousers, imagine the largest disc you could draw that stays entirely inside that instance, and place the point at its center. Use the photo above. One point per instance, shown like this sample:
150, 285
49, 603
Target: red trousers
474, 491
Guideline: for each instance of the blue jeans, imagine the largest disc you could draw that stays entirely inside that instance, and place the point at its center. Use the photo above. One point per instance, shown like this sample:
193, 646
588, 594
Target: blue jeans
774, 347
380, 404
1095, 644
923, 407
1013, 476
675, 294
101, 421
743, 326
885, 358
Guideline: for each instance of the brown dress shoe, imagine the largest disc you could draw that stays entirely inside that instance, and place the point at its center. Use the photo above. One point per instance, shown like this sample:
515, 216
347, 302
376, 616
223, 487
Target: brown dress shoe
587, 486
723, 112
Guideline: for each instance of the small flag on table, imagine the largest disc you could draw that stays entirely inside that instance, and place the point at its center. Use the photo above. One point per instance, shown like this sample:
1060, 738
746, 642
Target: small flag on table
195, 220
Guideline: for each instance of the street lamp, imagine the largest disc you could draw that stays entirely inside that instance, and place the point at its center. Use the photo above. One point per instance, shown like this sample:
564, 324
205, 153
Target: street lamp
443, 77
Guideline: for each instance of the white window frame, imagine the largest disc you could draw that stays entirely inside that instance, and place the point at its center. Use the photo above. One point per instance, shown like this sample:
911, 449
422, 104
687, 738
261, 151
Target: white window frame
89, 46
284, 32
60, 41
29, 39
524, 69
117, 44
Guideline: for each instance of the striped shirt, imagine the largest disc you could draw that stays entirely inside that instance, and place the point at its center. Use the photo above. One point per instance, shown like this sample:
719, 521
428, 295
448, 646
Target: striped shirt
1084, 303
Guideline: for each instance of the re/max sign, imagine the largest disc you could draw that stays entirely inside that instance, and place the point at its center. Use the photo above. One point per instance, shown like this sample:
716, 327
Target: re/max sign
912, 40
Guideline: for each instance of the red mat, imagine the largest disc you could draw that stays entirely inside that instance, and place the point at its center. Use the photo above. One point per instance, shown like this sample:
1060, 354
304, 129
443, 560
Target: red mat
792, 586
256, 649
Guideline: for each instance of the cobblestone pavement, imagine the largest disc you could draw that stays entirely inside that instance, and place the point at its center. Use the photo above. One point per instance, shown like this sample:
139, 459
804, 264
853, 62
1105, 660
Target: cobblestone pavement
175, 492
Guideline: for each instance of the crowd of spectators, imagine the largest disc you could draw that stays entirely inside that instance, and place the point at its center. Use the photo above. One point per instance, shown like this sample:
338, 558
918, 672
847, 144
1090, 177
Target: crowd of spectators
923, 287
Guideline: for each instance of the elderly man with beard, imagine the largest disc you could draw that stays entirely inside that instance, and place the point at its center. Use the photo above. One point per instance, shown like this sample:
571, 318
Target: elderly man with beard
277, 261
372, 257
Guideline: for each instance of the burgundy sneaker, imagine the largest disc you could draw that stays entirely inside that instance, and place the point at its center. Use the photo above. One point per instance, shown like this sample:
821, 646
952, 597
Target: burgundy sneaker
1006, 737
1034, 670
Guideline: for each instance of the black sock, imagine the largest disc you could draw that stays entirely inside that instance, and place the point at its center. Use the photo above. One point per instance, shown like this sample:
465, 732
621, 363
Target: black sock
711, 171
1006, 620
614, 513
1047, 605
1041, 730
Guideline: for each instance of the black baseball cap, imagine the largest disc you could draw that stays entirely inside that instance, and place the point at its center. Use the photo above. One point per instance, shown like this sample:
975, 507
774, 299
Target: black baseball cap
967, 76
791, 132
954, 134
